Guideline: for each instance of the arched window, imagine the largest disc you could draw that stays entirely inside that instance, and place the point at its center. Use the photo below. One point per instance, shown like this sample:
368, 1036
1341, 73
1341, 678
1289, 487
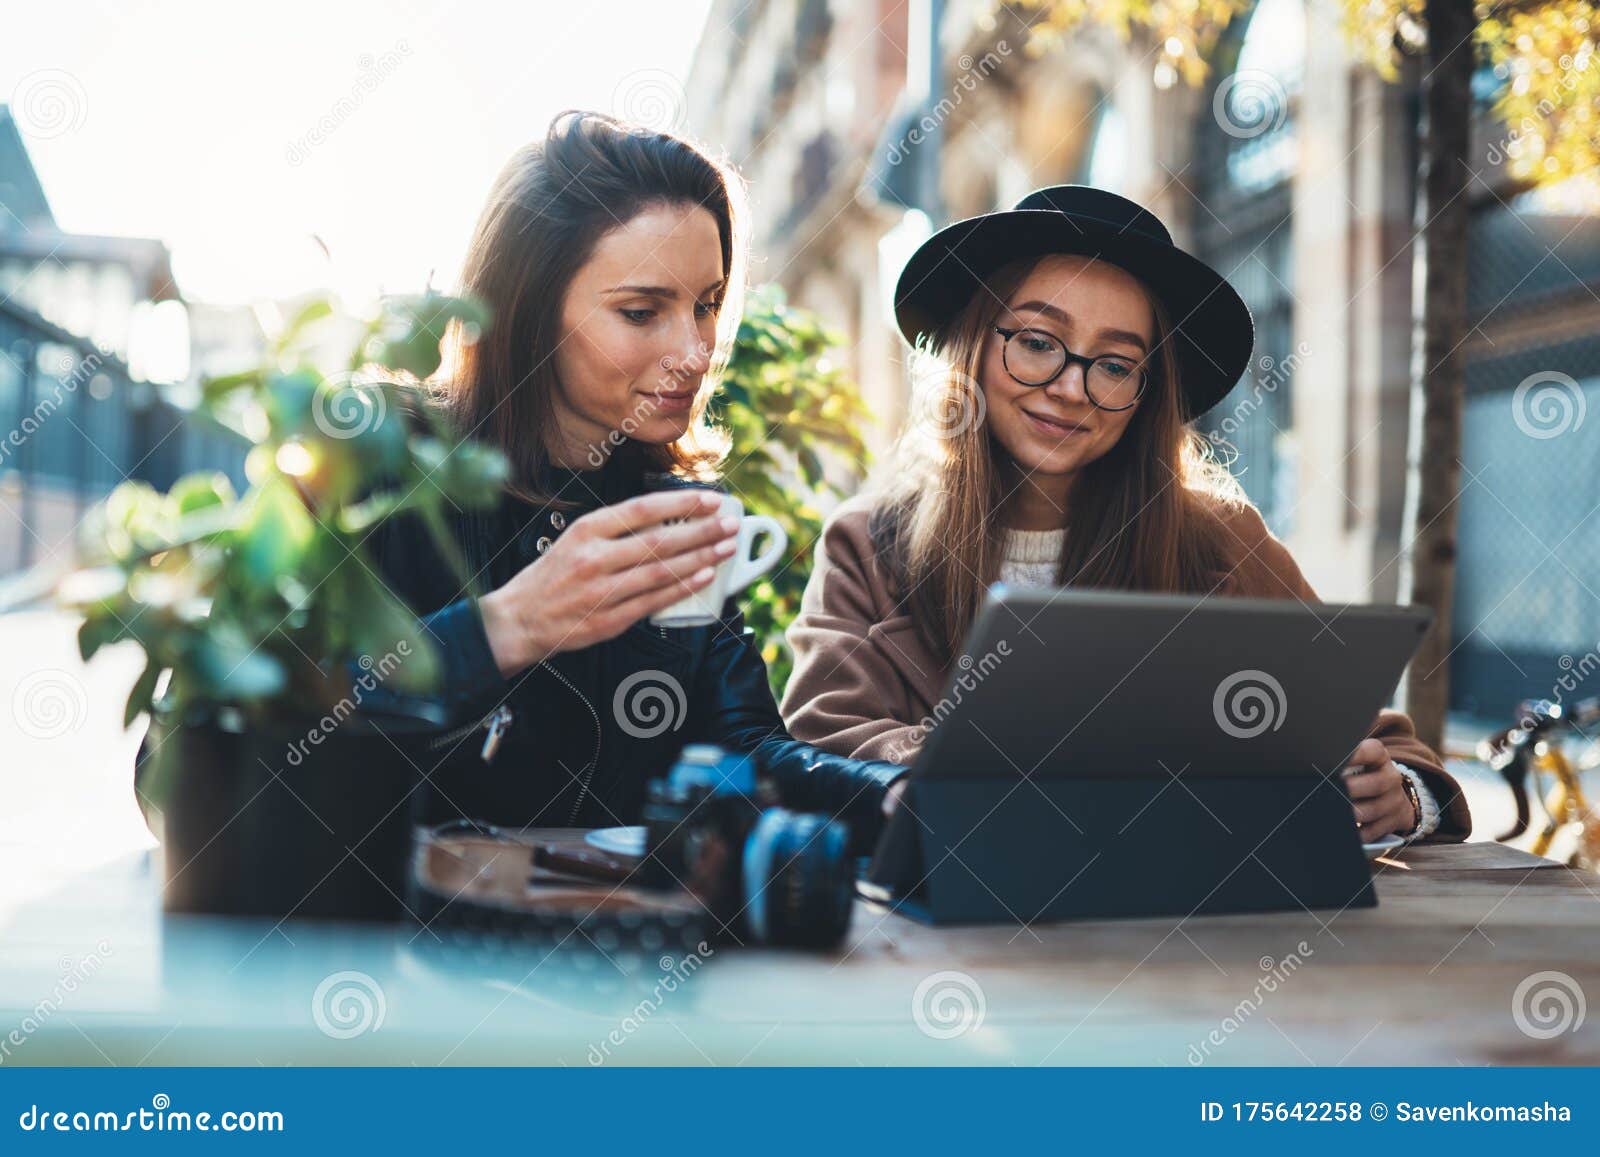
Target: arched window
1107, 166
1256, 103
1246, 150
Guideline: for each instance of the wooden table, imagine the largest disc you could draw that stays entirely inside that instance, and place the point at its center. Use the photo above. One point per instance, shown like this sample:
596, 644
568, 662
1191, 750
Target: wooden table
1428, 977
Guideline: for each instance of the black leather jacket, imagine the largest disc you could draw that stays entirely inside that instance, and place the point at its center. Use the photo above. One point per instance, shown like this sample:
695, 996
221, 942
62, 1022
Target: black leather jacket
589, 729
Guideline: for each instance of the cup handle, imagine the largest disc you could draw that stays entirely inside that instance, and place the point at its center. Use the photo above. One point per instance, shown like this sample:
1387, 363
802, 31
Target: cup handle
746, 570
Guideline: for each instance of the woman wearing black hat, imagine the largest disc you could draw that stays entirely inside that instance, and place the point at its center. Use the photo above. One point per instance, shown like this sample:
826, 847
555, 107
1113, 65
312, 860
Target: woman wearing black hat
1075, 343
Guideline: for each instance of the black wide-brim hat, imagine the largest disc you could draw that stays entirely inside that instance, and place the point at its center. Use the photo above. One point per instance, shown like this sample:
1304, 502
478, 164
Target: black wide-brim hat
1212, 332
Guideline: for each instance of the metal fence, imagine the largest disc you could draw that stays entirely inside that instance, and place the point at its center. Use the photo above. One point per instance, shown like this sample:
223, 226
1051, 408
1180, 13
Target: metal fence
73, 424
1527, 614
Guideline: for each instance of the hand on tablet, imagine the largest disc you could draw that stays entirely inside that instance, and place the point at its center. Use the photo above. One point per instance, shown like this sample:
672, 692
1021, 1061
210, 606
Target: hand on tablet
1377, 790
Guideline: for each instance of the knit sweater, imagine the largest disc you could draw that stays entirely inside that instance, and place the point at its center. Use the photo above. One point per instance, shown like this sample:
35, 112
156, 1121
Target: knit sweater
1030, 556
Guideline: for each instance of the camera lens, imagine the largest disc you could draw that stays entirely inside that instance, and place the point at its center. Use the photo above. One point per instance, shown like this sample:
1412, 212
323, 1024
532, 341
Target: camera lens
798, 879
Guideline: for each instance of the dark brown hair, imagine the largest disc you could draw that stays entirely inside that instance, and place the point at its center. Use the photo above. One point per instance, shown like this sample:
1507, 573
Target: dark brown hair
551, 204
1143, 515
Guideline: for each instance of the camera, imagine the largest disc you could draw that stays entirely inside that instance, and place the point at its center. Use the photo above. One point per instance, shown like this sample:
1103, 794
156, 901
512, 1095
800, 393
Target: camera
764, 873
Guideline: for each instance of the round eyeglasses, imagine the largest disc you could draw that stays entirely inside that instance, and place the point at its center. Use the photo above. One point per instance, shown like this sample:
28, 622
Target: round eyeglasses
1035, 358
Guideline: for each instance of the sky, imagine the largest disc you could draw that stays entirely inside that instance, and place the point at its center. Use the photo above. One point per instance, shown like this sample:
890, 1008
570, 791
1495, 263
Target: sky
240, 133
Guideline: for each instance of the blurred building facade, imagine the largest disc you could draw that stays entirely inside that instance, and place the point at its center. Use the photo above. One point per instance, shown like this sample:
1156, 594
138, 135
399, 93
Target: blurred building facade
797, 92
1293, 171
90, 328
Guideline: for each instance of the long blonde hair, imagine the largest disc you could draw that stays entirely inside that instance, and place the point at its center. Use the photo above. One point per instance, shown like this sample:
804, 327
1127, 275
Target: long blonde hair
1144, 515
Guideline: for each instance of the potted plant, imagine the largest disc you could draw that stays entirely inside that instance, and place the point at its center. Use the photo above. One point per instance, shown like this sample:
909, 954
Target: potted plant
791, 410
276, 787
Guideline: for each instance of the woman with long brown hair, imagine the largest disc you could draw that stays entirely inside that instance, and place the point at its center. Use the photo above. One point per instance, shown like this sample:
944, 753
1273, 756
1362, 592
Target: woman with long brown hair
1076, 343
611, 262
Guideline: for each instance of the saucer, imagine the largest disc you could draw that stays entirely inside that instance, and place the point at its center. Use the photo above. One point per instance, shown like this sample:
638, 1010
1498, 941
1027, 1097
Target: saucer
618, 841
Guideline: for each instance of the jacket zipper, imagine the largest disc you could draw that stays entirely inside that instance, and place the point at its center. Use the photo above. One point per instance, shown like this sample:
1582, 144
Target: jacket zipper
497, 723
594, 759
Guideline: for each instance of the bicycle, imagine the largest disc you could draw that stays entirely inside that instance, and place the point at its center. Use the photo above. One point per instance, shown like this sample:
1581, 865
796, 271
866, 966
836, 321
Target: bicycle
1532, 751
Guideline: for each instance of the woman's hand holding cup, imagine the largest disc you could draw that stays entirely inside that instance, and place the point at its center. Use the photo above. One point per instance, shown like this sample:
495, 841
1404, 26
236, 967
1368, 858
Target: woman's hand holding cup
611, 568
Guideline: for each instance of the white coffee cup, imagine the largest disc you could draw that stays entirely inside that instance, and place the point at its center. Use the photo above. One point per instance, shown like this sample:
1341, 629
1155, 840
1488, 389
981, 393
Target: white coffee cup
734, 573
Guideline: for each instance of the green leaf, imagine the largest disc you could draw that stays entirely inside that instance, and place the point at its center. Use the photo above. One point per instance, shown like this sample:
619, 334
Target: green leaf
144, 689
290, 405
409, 339
95, 632
200, 491
368, 513
215, 391
383, 628
313, 311
276, 534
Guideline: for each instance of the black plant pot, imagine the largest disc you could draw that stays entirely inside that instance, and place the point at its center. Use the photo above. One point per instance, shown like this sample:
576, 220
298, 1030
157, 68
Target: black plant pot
260, 821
